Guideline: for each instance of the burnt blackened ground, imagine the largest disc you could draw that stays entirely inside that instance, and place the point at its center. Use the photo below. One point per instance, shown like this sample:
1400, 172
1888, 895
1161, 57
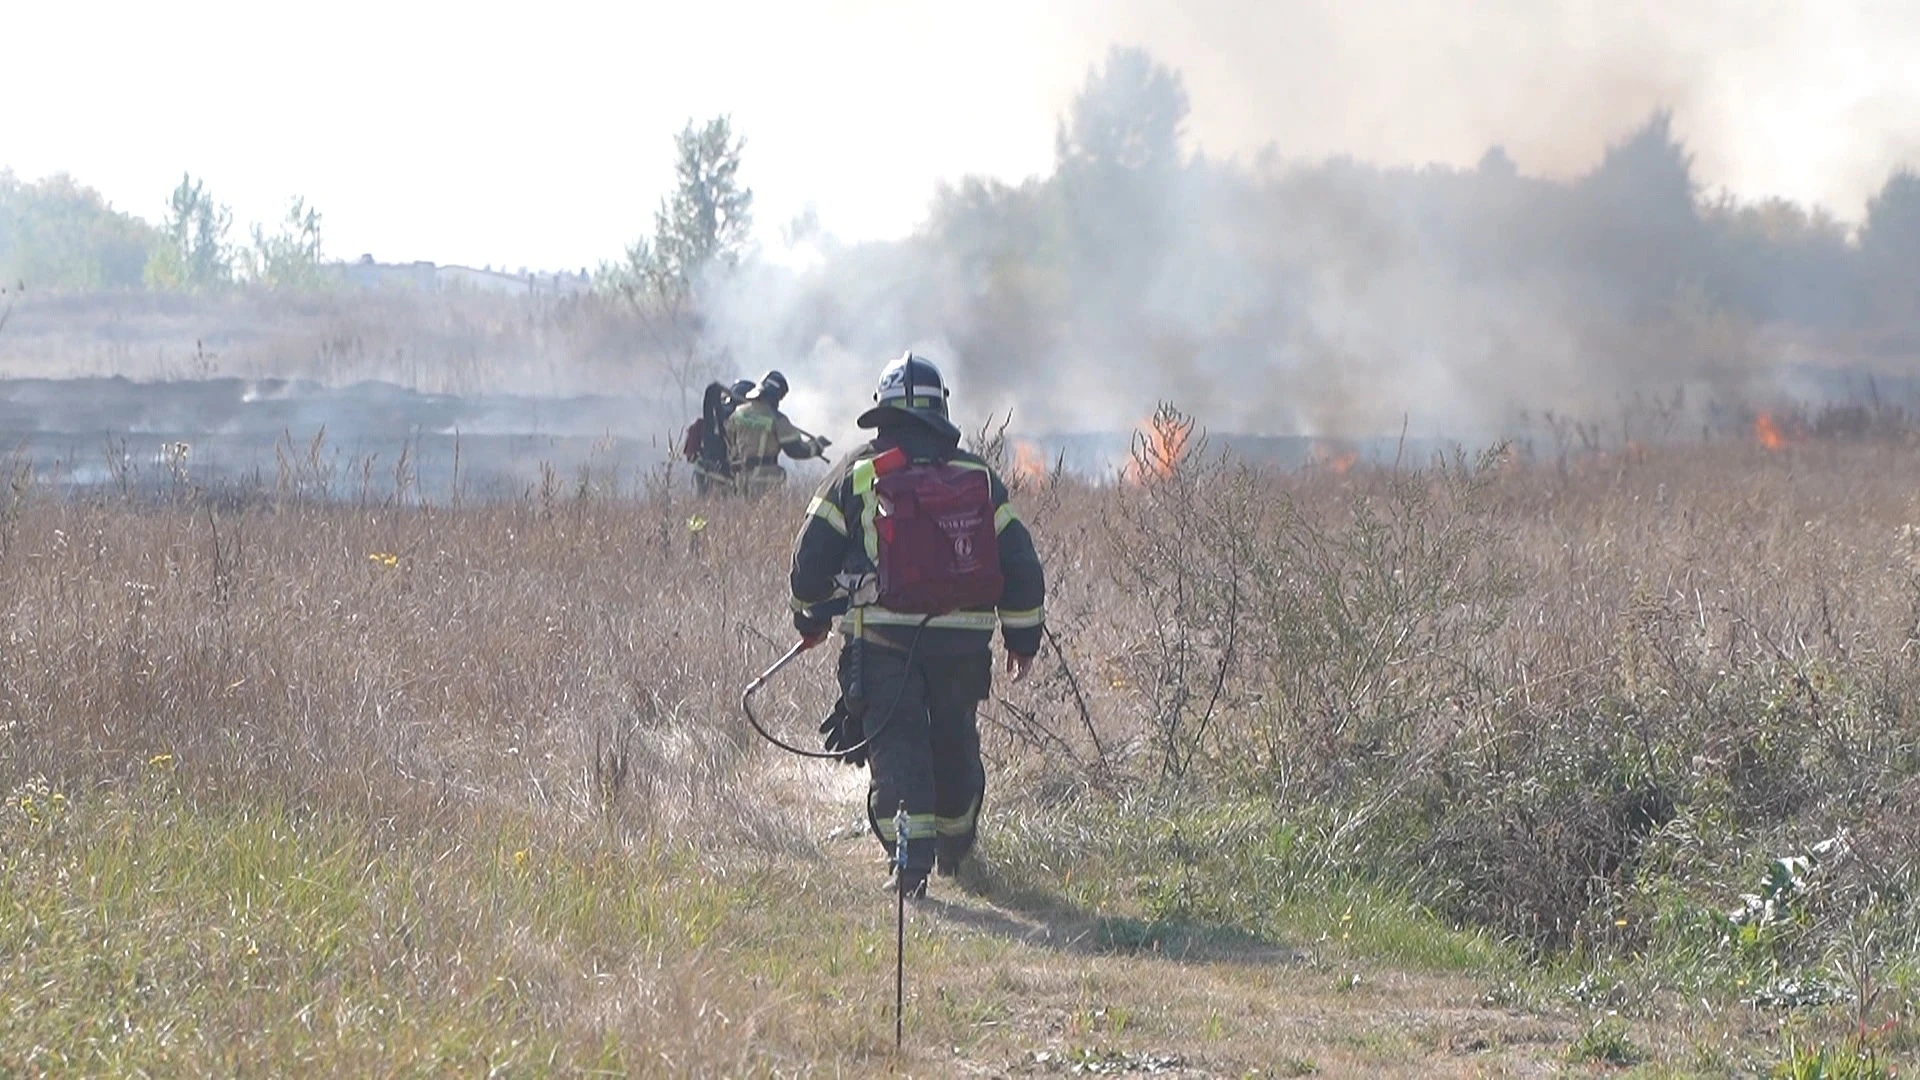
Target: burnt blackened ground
367, 437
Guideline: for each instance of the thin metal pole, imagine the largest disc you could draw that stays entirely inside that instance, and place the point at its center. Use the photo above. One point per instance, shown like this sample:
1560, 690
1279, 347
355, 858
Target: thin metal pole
899, 923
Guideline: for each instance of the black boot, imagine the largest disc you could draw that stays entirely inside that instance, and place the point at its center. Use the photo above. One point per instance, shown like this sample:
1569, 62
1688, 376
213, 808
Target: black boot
949, 852
912, 882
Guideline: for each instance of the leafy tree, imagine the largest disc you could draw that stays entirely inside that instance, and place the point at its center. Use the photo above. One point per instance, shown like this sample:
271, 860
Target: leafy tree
706, 222
1892, 228
290, 258
1649, 171
1495, 162
1890, 246
1129, 117
194, 252
1000, 251
701, 232
1118, 155
59, 234
1776, 259
701, 226
1637, 226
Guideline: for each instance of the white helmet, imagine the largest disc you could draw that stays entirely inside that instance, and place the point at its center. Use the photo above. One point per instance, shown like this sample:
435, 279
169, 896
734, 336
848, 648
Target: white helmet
911, 384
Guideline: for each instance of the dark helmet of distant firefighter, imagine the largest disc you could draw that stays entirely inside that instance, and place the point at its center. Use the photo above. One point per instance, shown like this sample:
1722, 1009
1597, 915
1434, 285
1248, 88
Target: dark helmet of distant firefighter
911, 385
773, 387
741, 389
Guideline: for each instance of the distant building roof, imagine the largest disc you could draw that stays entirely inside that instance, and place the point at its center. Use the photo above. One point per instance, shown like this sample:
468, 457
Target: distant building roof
369, 274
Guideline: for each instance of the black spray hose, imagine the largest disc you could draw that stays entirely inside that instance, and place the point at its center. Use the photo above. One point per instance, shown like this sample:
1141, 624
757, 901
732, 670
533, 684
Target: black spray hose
746, 702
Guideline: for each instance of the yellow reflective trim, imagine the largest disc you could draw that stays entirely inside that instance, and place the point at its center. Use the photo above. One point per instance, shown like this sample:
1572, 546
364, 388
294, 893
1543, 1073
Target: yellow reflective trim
798, 605
1022, 620
981, 622
956, 620
1004, 517
919, 827
828, 513
863, 477
956, 826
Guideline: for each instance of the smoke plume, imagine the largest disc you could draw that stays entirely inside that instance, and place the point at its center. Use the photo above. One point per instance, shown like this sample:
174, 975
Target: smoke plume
1448, 216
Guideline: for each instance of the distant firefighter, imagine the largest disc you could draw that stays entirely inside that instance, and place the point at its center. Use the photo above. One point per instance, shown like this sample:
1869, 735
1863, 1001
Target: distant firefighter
758, 433
705, 446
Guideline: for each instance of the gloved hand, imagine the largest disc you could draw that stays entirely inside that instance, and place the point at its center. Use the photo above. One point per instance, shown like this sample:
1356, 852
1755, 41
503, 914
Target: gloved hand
812, 626
840, 734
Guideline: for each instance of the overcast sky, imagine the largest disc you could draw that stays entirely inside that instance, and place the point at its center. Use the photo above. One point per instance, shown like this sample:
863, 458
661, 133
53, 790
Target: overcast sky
539, 133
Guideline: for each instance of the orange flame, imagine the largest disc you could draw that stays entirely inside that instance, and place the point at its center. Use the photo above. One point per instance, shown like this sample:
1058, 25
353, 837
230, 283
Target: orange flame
1029, 464
1163, 441
1767, 432
1339, 462
1169, 446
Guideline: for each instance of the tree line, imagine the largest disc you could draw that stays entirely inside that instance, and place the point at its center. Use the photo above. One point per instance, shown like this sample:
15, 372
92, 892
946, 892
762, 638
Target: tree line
1134, 241
1140, 264
58, 234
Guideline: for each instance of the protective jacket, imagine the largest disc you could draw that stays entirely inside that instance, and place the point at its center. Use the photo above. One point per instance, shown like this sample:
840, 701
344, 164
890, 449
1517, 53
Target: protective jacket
757, 434
837, 546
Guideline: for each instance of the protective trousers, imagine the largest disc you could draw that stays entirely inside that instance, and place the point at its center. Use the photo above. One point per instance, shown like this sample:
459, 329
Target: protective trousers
756, 480
710, 478
928, 753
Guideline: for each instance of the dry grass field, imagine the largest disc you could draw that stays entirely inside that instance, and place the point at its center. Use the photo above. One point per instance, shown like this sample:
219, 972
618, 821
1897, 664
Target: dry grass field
1498, 767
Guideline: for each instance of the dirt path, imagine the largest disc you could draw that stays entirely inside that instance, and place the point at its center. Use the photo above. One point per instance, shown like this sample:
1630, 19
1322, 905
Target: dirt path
1049, 993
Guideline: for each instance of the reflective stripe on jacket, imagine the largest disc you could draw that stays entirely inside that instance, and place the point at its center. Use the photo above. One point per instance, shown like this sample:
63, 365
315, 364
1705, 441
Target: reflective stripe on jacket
758, 433
837, 538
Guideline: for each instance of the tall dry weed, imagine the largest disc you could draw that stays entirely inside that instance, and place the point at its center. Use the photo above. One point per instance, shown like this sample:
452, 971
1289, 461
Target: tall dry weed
1527, 691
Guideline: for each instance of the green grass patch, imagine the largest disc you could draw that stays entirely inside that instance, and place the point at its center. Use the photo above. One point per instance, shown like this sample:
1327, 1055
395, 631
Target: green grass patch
141, 933
1227, 877
1605, 1042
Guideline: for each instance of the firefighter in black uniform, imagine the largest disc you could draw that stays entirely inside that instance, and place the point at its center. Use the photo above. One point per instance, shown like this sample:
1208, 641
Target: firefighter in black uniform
706, 441
912, 682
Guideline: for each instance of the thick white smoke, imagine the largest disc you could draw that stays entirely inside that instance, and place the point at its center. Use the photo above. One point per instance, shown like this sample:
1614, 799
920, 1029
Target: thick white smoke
1287, 295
